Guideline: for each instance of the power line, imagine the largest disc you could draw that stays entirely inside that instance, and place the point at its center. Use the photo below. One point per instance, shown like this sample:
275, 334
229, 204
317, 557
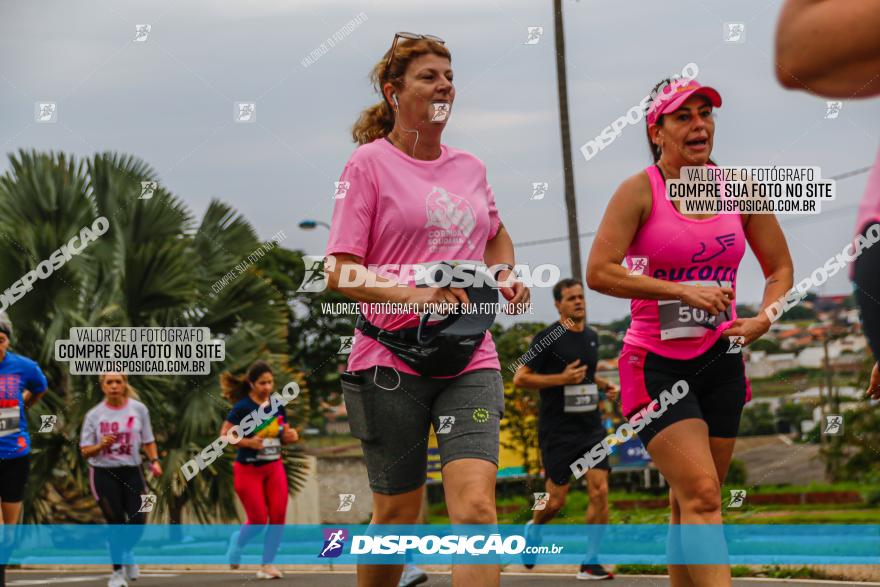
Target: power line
846, 174
839, 176
552, 240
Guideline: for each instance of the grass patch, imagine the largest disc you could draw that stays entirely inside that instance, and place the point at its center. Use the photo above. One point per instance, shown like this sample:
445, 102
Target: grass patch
641, 570
842, 517
813, 487
575, 508
777, 572
769, 571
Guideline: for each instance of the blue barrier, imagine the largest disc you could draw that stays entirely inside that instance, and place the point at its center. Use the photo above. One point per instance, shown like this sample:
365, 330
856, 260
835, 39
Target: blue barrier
442, 544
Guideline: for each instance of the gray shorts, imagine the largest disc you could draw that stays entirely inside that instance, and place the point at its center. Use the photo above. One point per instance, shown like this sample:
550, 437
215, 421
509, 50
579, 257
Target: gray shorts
390, 413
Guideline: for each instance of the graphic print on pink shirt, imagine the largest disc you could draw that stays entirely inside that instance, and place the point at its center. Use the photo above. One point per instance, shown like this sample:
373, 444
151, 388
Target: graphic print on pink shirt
454, 217
403, 211
122, 444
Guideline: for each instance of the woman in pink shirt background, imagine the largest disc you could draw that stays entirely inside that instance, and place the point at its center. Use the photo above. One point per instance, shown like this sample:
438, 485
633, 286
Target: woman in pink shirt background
406, 198
832, 48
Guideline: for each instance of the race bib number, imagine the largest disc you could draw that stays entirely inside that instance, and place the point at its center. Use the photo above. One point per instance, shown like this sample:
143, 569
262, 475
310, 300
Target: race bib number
581, 398
271, 449
9, 423
678, 320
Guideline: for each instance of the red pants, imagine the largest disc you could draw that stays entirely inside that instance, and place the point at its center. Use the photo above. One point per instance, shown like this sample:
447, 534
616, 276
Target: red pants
263, 493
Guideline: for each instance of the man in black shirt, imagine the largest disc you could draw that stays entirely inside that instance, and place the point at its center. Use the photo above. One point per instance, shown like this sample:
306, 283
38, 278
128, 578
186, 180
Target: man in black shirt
561, 362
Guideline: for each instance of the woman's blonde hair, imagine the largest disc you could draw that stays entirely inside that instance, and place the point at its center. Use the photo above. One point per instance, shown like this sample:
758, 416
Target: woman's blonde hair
129, 390
376, 121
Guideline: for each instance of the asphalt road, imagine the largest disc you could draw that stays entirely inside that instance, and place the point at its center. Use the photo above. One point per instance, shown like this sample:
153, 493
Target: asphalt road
347, 579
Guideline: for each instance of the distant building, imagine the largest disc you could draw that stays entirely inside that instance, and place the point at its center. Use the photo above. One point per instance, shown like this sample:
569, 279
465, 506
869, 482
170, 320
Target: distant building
760, 364
852, 316
842, 392
814, 356
830, 303
780, 327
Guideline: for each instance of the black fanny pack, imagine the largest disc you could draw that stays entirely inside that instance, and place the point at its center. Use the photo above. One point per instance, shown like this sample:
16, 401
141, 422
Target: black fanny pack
444, 348
426, 348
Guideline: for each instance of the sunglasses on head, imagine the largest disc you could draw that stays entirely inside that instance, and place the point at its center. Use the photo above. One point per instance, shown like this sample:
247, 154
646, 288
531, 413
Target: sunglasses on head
411, 37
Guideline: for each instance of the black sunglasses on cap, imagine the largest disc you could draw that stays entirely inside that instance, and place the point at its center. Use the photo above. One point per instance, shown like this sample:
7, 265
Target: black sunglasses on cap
411, 37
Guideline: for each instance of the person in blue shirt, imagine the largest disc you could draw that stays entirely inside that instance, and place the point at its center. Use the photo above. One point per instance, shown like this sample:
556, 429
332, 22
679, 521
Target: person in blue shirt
21, 385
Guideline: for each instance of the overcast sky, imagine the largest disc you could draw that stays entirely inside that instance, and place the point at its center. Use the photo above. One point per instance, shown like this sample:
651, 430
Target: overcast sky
170, 100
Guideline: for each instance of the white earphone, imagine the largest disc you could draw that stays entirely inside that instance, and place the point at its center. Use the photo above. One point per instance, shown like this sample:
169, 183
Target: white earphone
396, 103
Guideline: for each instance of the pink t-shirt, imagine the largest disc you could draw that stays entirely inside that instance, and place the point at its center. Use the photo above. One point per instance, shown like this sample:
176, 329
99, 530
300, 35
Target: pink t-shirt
392, 209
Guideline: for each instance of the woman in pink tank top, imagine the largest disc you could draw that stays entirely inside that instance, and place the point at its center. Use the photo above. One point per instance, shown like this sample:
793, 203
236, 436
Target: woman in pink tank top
682, 376
833, 49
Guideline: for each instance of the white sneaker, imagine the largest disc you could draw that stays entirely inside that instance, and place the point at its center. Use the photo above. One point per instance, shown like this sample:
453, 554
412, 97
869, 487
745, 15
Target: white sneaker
269, 572
132, 572
117, 579
412, 575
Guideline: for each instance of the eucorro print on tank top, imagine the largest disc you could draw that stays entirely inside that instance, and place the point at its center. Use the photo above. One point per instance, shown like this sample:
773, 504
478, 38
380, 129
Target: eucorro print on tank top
675, 247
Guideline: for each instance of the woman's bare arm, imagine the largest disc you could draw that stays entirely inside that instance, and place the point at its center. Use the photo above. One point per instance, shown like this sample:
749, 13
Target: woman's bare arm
829, 47
767, 241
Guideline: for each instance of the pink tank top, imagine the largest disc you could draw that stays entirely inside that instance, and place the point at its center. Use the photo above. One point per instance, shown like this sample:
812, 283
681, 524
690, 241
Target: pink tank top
869, 209
675, 247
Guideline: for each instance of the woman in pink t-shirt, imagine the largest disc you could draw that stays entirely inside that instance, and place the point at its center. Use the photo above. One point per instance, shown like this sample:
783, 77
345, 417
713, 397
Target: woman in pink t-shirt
682, 387
406, 199
833, 49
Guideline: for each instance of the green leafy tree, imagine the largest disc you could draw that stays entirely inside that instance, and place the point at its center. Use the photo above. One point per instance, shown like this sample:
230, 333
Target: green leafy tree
155, 266
512, 343
737, 474
854, 456
609, 345
800, 312
765, 344
521, 420
757, 419
313, 332
793, 414
619, 326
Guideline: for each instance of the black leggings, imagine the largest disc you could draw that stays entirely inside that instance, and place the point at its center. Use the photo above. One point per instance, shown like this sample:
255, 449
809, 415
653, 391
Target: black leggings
867, 282
13, 478
118, 492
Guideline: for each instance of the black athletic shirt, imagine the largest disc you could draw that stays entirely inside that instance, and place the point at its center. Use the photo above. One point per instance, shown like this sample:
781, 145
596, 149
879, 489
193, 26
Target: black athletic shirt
547, 356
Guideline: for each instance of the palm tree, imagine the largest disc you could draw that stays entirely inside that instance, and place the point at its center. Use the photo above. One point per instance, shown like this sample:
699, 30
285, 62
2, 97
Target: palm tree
153, 267
313, 338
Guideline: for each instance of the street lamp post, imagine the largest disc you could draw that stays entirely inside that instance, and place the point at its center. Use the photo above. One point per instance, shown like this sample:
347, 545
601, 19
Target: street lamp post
309, 224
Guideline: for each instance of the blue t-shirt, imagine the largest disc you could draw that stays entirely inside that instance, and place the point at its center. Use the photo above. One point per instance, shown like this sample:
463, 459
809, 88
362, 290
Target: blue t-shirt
17, 373
269, 429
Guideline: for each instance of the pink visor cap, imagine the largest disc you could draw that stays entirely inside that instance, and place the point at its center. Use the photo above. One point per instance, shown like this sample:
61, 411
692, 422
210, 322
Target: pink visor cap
675, 94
